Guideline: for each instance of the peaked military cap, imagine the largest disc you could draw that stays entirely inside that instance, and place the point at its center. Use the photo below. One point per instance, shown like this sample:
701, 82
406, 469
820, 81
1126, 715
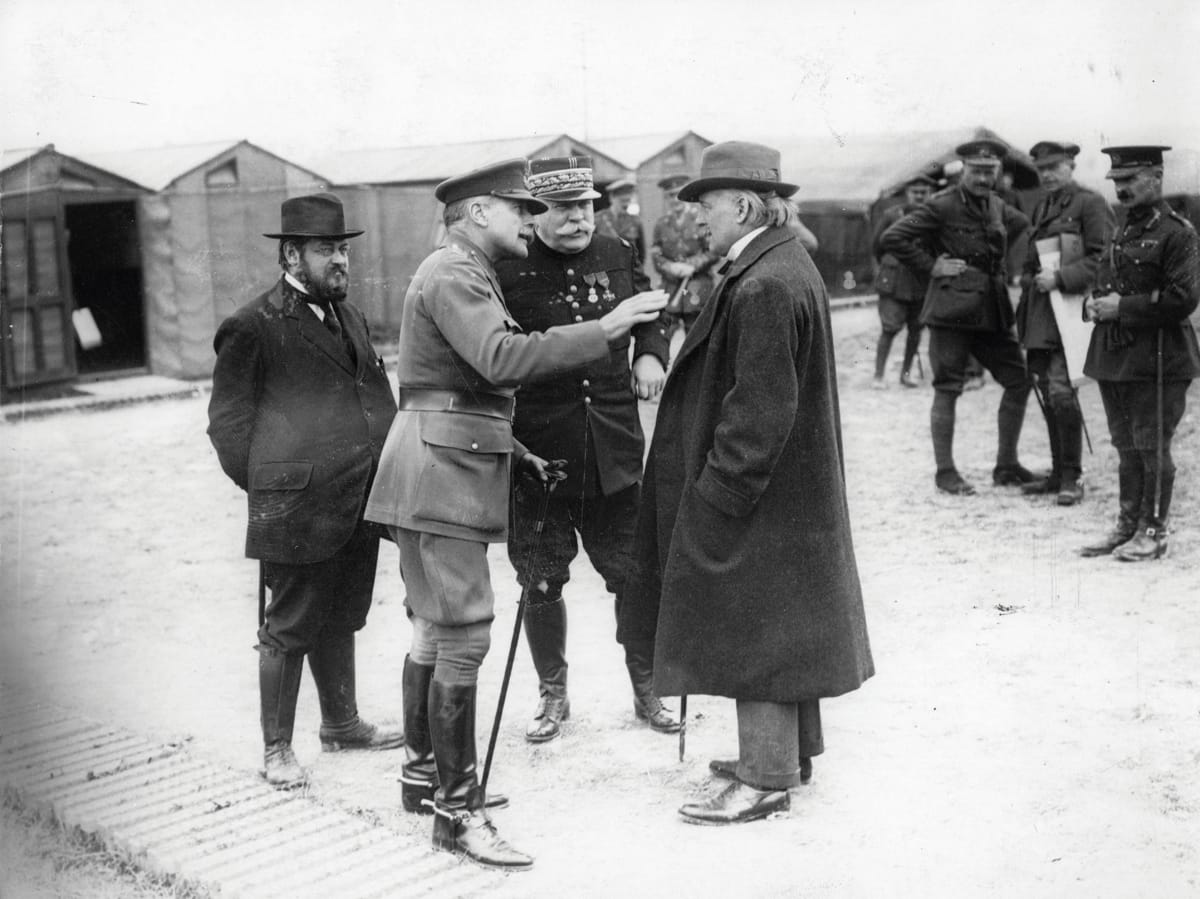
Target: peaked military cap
674, 182
1128, 161
563, 179
921, 178
621, 185
982, 151
1051, 152
315, 216
738, 164
500, 179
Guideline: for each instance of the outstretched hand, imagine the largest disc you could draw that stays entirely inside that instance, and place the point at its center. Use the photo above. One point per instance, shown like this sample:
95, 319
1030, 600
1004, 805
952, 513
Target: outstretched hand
641, 307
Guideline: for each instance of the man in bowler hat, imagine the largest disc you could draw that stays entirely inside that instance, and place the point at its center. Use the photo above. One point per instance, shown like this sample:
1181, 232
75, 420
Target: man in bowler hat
588, 418
299, 411
443, 484
1143, 352
744, 571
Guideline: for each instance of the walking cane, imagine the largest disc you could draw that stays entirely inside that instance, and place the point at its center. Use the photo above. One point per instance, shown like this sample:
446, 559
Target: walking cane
1158, 434
682, 724
539, 526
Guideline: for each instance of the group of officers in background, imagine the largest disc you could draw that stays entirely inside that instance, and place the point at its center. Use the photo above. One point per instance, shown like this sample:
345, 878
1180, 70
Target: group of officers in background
729, 556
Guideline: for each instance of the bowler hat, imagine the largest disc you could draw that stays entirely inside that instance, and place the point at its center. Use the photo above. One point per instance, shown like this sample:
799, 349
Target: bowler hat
500, 179
563, 179
1050, 152
315, 216
982, 151
1127, 161
741, 165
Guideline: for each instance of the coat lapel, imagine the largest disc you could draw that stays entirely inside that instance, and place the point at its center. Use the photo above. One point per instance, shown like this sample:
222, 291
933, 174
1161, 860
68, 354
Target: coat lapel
699, 332
313, 330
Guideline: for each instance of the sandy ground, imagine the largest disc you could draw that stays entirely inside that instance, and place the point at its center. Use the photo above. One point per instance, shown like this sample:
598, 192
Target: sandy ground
1033, 730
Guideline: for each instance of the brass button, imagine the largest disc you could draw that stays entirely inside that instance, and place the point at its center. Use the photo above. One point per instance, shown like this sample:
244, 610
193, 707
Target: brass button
587, 383
474, 446
575, 305
573, 289
570, 273
579, 318
587, 400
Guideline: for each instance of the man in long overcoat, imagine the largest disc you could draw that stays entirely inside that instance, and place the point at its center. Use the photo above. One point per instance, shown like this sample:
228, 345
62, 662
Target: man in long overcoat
299, 411
744, 567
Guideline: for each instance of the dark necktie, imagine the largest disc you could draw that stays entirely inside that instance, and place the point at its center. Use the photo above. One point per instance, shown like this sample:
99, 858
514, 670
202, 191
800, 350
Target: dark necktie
336, 329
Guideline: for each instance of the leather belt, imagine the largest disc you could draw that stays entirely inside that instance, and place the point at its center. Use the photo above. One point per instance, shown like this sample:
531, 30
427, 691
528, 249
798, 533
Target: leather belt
430, 399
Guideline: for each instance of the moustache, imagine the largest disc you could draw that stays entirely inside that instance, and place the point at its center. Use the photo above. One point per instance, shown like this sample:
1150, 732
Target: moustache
572, 228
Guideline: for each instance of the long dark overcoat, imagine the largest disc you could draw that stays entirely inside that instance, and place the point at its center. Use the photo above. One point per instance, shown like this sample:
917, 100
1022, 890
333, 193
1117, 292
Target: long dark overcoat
744, 568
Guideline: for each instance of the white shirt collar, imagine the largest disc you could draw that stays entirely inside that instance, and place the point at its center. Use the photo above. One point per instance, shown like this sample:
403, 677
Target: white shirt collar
742, 242
312, 304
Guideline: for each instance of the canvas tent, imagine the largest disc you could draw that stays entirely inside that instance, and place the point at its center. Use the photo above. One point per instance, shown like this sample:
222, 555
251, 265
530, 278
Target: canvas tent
846, 182
156, 245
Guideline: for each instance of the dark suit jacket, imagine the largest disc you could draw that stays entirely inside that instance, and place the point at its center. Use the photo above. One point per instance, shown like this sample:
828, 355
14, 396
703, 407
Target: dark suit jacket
297, 424
744, 567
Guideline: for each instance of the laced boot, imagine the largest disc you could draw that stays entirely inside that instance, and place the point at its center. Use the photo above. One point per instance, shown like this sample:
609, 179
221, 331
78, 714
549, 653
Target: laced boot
461, 824
331, 662
1130, 479
639, 661
546, 633
279, 685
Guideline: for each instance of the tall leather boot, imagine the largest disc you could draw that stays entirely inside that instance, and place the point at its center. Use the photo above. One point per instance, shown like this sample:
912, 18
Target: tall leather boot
1009, 419
1150, 540
331, 662
1070, 439
881, 354
461, 824
639, 661
941, 428
1130, 480
418, 775
546, 631
278, 686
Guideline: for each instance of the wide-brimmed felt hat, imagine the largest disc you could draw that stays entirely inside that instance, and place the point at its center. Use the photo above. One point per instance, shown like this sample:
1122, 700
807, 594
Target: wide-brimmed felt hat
1127, 161
318, 216
740, 165
562, 179
506, 179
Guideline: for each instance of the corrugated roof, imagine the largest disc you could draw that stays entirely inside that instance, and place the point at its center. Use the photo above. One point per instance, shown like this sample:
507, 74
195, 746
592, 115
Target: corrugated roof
432, 162
157, 167
632, 150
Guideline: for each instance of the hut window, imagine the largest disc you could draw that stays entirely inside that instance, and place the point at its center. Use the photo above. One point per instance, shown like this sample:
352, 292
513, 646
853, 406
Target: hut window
222, 176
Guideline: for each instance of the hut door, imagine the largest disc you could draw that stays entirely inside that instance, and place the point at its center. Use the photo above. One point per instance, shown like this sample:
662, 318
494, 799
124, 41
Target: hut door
36, 291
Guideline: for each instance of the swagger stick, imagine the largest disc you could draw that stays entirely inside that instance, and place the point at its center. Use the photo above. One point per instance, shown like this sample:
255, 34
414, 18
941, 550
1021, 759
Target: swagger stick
539, 526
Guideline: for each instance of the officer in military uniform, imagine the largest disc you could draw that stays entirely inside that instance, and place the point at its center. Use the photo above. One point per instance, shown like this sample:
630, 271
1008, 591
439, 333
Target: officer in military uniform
1143, 351
901, 290
587, 418
967, 309
680, 254
1083, 223
618, 221
443, 482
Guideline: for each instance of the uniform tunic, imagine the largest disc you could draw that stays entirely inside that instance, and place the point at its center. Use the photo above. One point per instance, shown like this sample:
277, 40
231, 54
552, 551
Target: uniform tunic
677, 239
